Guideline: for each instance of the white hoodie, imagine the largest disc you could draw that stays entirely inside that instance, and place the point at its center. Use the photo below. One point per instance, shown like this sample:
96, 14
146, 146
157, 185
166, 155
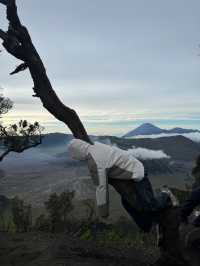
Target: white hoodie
105, 162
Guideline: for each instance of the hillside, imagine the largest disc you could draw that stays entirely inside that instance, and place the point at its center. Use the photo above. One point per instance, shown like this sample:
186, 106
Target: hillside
178, 147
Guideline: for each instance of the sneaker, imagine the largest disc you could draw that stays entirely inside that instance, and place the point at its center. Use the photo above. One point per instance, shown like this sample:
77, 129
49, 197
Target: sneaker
173, 200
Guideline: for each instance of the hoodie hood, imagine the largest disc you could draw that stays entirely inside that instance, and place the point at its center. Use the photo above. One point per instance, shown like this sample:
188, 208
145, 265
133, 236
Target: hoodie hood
78, 149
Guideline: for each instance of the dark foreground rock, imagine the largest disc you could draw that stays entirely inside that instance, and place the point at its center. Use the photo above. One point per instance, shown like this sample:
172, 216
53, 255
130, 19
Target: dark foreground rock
45, 249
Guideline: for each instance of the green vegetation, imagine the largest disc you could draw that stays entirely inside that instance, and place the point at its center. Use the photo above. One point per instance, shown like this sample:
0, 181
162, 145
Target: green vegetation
6, 223
22, 215
57, 219
113, 235
16, 216
58, 208
19, 136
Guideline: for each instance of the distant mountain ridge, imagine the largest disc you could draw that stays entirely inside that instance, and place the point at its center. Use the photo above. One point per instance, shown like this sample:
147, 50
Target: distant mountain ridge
177, 147
150, 129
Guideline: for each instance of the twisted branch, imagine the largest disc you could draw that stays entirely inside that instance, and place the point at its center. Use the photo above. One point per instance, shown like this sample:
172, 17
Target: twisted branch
17, 42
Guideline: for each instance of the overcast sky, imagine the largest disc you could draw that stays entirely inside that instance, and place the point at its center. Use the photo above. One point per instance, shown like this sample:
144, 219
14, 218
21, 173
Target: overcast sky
118, 63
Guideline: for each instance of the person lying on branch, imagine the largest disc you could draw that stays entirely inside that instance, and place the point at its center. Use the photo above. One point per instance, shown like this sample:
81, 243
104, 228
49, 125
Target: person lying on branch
109, 162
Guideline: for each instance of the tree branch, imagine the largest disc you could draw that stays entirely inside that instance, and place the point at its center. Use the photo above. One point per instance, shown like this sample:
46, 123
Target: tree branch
20, 45
19, 68
12, 15
28, 147
3, 35
4, 154
4, 2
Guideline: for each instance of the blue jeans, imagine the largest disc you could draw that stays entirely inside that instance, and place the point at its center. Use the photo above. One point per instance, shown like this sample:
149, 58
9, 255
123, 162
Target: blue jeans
145, 205
143, 219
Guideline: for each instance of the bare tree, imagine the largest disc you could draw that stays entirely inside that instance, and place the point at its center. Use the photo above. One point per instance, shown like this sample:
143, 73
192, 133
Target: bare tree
17, 42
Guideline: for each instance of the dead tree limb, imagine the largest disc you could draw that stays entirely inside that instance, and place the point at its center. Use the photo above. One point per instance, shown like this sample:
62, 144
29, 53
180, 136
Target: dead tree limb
17, 42
19, 68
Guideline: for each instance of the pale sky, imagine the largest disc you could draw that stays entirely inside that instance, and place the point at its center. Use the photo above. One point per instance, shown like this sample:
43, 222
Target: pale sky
117, 63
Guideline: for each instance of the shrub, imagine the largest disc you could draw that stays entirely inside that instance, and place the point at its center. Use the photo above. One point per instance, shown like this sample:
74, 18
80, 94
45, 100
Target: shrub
22, 215
58, 208
42, 223
6, 223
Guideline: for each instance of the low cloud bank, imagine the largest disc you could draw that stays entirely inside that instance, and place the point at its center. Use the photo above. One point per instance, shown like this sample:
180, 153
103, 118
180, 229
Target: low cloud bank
147, 154
192, 136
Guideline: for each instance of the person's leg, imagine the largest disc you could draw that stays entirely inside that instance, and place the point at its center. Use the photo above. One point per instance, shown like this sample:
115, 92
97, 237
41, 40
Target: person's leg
138, 194
139, 201
145, 195
146, 207
148, 201
190, 204
143, 220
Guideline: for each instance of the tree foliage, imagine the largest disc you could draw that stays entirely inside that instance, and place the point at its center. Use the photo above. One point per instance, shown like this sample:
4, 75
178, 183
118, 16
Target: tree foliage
19, 136
58, 208
5, 105
22, 215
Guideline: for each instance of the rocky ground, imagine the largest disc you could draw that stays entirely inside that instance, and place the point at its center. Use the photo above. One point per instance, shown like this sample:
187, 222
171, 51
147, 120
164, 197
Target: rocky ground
33, 249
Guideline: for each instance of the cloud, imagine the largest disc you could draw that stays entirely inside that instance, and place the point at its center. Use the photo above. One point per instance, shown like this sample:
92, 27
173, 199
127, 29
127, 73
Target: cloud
147, 154
142, 153
192, 136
